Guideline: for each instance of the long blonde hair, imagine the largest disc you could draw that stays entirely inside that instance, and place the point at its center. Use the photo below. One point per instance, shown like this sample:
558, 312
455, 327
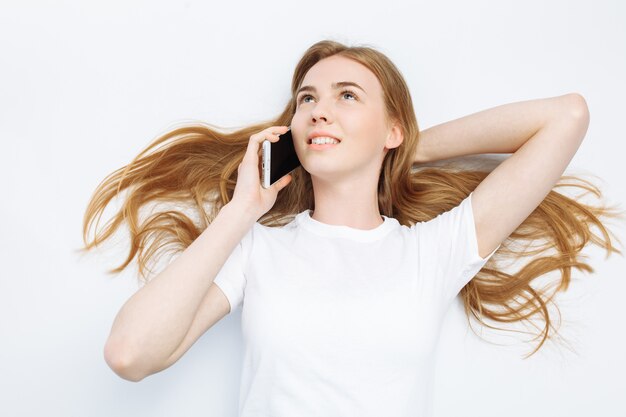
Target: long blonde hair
195, 166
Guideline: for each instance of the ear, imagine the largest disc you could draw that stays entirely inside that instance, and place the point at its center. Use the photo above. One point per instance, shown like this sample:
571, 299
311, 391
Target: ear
395, 137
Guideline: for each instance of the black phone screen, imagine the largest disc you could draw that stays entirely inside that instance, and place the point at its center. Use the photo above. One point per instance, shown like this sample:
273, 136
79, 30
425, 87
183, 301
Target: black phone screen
283, 157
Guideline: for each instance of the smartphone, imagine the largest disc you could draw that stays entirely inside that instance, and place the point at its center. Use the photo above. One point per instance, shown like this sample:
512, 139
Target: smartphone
278, 159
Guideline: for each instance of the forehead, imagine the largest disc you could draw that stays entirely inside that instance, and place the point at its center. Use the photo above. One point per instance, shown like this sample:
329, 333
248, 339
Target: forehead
338, 68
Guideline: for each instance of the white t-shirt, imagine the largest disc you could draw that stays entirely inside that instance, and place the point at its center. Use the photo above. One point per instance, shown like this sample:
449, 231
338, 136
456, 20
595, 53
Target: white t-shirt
338, 321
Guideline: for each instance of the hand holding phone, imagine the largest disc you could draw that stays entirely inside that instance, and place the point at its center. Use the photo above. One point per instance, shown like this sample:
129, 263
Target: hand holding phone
279, 159
248, 192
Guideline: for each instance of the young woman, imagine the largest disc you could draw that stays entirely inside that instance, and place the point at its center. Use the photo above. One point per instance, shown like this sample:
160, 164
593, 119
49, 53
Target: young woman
344, 277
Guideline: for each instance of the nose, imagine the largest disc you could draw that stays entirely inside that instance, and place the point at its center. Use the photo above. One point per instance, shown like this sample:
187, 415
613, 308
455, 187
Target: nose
319, 112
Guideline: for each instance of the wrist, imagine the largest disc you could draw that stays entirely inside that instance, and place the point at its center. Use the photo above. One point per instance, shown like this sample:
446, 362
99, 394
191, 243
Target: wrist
245, 212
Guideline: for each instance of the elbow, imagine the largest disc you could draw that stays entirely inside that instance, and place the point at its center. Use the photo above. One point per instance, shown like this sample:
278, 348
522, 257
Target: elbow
121, 364
578, 107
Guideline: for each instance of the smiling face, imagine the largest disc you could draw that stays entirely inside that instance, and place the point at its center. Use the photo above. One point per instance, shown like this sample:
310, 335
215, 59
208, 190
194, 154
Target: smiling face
344, 99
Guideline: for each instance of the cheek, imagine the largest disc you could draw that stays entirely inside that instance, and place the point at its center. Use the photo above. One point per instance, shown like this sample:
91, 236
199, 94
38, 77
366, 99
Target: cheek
299, 120
374, 134
298, 129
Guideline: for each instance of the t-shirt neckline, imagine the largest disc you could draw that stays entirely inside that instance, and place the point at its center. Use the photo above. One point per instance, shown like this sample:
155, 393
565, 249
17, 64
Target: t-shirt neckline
347, 232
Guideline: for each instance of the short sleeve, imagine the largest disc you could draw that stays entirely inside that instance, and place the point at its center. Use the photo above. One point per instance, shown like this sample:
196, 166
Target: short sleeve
231, 279
449, 248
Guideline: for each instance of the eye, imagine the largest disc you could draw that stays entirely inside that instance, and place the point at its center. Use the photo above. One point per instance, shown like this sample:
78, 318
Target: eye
343, 93
303, 97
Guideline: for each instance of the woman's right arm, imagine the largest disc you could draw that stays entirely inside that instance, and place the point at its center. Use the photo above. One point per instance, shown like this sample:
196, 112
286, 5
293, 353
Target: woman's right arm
157, 325
152, 324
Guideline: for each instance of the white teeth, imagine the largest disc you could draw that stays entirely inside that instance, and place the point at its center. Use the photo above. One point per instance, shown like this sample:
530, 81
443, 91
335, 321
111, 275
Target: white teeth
321, 140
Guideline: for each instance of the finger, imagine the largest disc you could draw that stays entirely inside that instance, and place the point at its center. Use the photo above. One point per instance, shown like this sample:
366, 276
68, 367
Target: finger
254, 145
254, 148
282, 183
275, 131
271, 133
278, 130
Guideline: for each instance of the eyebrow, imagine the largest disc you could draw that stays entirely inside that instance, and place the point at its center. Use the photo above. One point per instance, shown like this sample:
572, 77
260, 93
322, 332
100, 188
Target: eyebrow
335, 86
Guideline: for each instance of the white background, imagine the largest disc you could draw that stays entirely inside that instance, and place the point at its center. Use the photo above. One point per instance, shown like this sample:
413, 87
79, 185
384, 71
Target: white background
85, 86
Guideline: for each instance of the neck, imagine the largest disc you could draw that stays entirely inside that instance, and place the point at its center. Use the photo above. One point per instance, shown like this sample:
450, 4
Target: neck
353, 204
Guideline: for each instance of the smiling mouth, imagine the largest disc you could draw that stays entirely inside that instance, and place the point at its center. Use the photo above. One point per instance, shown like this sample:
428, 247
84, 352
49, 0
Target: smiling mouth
320, 147
310, 142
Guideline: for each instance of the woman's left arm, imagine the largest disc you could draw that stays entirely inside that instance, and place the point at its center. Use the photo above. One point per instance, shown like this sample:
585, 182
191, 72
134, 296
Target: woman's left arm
542, 134
501, 129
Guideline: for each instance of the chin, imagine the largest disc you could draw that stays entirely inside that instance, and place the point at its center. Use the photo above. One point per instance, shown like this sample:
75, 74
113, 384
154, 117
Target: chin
326, 173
